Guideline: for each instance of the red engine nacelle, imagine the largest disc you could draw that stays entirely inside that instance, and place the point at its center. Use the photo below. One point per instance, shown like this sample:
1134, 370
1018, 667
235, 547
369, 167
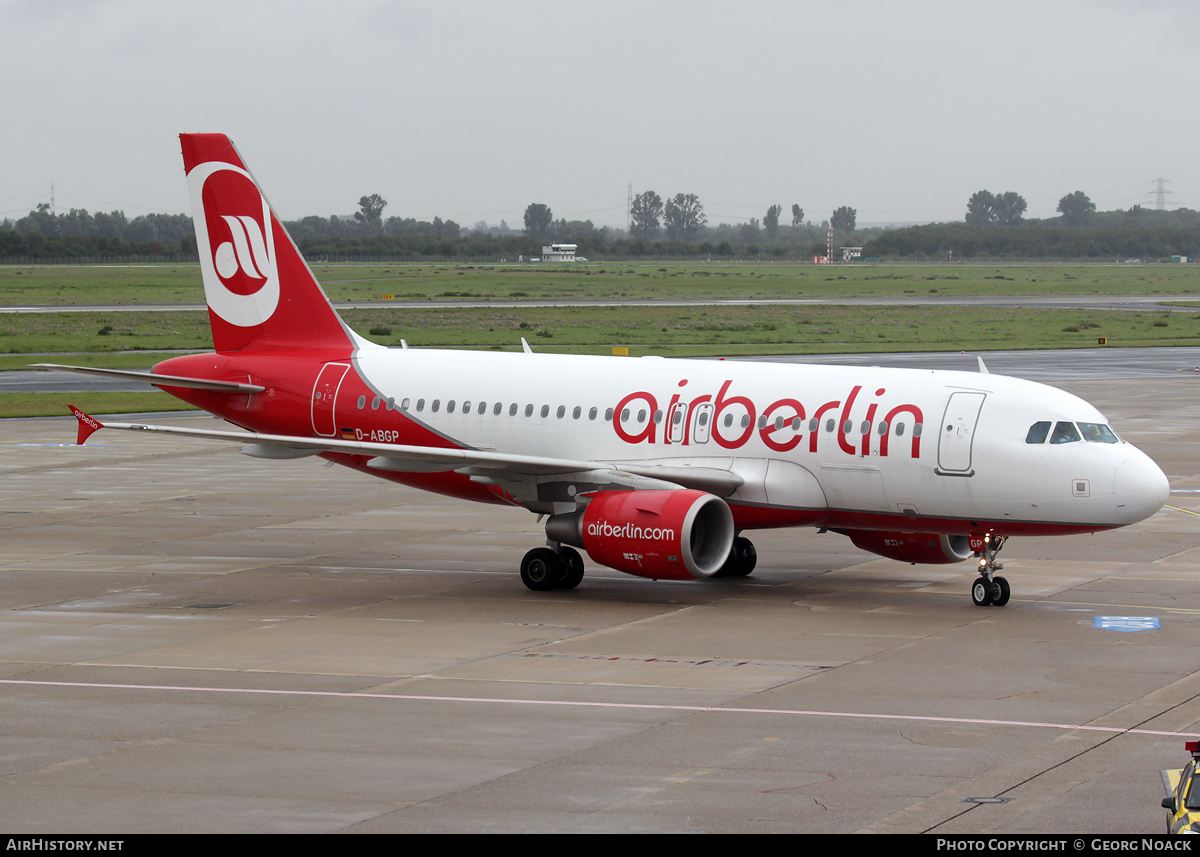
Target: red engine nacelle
665, 535
931, 548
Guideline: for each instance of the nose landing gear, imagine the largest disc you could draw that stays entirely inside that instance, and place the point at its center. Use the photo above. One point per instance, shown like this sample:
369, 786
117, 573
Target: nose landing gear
989, 589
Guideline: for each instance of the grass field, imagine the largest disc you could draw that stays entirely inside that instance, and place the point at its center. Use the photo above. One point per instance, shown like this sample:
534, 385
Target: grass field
67, 285
55, 404
127, 339
671, 331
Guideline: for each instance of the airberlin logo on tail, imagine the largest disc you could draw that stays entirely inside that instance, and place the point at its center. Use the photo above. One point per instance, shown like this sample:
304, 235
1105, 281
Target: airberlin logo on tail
247, 252
235, 243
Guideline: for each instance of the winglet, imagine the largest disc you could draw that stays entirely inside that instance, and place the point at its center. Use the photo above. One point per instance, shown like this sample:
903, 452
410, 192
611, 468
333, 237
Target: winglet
525, 346
87, 425
983, 370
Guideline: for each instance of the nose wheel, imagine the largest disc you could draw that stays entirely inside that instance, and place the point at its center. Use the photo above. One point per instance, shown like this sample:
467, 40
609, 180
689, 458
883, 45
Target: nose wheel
990, 589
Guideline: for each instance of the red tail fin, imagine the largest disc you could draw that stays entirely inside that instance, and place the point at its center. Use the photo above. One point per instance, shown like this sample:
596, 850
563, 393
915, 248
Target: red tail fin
261, 294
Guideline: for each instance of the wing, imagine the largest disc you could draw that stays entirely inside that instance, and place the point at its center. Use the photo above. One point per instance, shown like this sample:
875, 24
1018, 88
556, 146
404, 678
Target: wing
528, 478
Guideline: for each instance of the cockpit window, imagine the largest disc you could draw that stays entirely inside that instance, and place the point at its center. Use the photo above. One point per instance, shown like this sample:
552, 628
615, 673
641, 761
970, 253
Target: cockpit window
1038, 432
1098, 433
1065, 432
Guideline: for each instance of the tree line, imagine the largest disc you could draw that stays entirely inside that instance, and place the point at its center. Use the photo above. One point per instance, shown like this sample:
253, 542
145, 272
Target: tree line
994, 225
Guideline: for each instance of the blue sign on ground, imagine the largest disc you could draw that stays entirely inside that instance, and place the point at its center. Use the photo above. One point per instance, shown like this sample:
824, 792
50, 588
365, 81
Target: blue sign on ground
1128, 623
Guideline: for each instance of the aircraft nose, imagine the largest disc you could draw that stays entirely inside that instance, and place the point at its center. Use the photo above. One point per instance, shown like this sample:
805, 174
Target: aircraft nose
1140, 489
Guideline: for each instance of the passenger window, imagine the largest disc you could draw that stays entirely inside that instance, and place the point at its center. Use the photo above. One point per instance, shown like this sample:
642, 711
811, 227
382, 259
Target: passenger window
592, 414
778, 423
899, 429
762, 421
391, 404
830, 425
728, 420
608, 414
545, 411
466, 406
658, 416
529, 410
497, 408
362, 402
1065, 432
745, 420
703, 418
561, 412
625, 415
450, 407
846, 426
575, 414
883, 427
420, 404
375, 404
1097, 433
917, 427
404, 405
796, 422
1038, 431
812, 424
642, 415
483, 408
512, 409
865, 428
437, 403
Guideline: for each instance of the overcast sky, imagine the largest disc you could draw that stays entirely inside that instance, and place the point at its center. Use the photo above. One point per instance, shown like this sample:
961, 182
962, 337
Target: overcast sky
472, 110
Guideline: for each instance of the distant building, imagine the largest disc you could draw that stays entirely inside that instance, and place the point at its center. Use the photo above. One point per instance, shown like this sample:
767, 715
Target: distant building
559, 252
849, 254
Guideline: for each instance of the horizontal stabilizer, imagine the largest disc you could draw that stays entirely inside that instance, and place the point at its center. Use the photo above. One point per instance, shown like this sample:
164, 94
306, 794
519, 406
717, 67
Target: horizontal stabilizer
158, 380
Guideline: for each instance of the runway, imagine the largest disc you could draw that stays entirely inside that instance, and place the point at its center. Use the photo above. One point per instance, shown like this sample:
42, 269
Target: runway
192, 640
1048, 366
1155, 303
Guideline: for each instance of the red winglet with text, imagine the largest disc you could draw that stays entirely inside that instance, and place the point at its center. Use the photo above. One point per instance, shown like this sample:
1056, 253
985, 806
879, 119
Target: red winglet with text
87, 425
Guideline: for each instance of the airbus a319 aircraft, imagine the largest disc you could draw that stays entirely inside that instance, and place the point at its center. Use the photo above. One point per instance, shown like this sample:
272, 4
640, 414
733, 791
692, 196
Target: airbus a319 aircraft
652, 466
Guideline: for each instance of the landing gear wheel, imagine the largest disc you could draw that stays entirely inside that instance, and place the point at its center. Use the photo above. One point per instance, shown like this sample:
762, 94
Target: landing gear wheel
981, 592
747, 557
573, 574
541, 569
742, 559
1000, 592
989, 588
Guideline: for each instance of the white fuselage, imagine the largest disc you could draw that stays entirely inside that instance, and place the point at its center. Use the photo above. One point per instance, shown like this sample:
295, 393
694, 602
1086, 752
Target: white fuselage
912, 444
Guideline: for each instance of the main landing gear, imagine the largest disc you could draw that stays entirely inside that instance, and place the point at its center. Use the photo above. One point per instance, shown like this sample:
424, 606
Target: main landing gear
544, 569
990, 589
742, 559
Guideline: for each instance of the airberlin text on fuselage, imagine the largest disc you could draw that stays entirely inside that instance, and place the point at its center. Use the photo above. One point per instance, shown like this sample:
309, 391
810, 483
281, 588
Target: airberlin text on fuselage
777, 432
